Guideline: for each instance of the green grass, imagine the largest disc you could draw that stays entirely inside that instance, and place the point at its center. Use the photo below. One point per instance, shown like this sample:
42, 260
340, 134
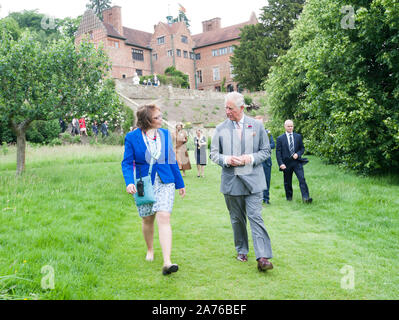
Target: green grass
70, 211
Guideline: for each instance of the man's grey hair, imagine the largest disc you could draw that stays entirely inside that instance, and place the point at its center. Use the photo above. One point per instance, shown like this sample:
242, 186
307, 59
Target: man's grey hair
236, 98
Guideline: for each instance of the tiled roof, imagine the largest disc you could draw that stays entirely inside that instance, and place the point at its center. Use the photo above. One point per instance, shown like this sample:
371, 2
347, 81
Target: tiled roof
111, 31
137, 37
219, 35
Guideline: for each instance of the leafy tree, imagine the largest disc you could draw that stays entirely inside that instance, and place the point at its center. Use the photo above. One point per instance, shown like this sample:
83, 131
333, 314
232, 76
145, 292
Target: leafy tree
261, 44
46, 83
341, 84
98, 6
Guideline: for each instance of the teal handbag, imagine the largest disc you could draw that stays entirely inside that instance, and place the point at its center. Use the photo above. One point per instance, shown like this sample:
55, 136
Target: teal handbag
146, 194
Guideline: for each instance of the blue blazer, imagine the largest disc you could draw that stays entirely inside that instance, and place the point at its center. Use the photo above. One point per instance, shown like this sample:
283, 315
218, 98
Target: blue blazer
136, 150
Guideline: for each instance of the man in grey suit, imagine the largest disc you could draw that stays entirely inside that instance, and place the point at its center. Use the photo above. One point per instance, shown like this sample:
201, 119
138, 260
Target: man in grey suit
240, 145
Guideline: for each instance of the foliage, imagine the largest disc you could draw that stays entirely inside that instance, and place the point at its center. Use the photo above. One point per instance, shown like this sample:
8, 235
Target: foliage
171, 77
261, 44
43, 131
342, 85
4, 148
10, 25
51, 82
98, 6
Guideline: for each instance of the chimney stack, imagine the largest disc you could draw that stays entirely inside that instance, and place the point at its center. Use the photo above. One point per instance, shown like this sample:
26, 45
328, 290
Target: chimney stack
211, 25
113, 16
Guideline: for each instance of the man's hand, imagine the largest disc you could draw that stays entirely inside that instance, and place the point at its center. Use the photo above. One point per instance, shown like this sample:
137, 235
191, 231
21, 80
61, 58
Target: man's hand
295, 156
236, 161
131, 188
283, 167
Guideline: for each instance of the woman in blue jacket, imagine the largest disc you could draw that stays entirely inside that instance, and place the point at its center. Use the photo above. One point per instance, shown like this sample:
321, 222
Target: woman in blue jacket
149, 142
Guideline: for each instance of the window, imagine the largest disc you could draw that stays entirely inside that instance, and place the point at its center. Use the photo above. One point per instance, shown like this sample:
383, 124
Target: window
114, 44
199, 76
91, 35
215, 53
222, 51
155, 56
185, 54
178, 52
198, 56
231, 49
124, 76
192, 56
218, 89
138, 54
161, 40
184, 39
139, 72
170, 53
216, 74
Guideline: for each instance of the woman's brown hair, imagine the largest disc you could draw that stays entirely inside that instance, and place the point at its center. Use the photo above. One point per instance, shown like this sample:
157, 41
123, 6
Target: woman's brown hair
144, 116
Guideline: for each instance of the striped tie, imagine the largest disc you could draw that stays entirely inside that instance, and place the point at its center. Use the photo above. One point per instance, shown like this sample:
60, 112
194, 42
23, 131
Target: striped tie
291, 144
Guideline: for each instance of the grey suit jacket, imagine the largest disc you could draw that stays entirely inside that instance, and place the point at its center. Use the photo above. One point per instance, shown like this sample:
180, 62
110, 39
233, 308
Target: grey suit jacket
248, 179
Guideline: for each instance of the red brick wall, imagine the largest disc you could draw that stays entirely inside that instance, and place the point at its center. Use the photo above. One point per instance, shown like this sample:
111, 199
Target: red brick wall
208, 62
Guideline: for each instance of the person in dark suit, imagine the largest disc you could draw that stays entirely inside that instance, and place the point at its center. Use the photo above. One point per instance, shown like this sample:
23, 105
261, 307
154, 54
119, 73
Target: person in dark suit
267, 165
289, 151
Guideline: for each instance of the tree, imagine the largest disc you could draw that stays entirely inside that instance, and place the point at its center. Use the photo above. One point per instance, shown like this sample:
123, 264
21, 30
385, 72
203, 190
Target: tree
341, 83
261, 44
45, 83
98, 6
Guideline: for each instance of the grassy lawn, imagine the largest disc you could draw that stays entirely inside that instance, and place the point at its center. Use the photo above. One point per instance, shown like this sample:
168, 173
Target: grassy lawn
70, 214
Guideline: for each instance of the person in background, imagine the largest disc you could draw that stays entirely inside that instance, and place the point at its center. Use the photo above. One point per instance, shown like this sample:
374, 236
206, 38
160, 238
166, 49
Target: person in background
62, 125
289, 151
82, 126
75, 127
267, 165
104, 129
180, 139
94, 127
152, 144
200, 144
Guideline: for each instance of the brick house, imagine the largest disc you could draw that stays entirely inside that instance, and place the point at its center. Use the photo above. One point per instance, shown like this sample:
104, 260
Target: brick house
204, 57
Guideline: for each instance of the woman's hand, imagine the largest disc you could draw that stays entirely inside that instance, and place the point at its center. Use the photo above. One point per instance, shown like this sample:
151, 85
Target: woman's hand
182, 192
131, 188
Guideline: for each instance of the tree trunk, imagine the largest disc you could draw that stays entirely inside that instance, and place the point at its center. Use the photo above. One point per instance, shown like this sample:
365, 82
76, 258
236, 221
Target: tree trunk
20, 131
21, 148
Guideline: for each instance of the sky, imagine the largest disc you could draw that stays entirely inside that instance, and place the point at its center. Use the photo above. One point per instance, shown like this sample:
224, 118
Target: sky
143, 15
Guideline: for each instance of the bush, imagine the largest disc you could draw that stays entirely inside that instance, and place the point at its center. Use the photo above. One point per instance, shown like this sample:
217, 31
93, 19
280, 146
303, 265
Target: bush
66, 137
55, 142
4, 148
338, 85
113, 139
76, 139
43, 131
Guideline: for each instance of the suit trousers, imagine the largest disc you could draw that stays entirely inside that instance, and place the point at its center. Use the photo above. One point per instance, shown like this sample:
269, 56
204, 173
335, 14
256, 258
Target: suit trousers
300, 174
267, 169
239, 208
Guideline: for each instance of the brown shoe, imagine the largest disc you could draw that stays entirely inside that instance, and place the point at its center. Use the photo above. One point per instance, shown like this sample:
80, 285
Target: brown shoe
264, 264
242, 257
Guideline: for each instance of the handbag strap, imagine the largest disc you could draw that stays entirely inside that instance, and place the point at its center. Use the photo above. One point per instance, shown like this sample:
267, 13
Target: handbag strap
134, 170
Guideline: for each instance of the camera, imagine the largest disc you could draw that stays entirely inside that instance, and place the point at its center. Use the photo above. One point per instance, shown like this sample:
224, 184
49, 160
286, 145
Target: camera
140, 188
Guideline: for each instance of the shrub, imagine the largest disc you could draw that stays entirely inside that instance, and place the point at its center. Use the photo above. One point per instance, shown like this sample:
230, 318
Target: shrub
43, 131
66, 137
76, 139
55, 142
4, 148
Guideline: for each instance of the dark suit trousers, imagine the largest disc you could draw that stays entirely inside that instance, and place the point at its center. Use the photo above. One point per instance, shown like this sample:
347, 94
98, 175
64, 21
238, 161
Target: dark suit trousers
267, 168
300, 174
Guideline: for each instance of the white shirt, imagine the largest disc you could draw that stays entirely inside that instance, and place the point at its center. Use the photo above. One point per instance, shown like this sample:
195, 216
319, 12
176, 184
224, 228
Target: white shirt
288, 139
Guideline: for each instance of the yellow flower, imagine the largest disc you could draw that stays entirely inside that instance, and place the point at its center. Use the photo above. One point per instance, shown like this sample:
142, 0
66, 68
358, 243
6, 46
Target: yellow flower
24, 261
